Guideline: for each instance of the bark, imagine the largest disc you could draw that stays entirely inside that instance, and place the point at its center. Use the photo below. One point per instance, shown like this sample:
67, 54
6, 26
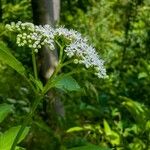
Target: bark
47, 12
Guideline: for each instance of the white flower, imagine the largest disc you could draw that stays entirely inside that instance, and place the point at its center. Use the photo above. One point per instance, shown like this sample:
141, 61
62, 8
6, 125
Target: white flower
36, 36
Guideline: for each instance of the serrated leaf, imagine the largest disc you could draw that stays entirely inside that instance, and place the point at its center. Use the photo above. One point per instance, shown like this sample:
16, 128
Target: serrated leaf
5, 109
7, 138
63, 82
7, 58
90, 147
66, 83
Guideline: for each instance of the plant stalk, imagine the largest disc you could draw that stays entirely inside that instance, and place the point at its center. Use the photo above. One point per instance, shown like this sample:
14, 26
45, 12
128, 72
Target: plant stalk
34, 64
34, 106
26, 122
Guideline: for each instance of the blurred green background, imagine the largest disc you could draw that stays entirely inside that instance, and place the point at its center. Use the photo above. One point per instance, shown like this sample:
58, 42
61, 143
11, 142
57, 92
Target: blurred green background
111, 113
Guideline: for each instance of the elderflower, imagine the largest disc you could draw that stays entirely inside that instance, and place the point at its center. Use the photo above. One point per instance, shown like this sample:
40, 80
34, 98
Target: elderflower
36, 36
32, 35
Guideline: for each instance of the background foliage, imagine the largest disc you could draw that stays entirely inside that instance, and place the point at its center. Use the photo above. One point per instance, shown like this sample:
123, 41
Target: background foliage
113, 113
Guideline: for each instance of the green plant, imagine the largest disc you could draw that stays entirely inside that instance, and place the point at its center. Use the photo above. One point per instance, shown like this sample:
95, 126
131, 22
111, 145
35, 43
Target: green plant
121, 30
70, 44
7, 138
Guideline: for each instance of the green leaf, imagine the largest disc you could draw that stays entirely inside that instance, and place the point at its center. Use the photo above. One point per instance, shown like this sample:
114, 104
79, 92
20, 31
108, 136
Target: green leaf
90, 147
5, 109
7, 58
107, 128
7, 138
38, 83
142, 75
75, 129
63, 82
112, 136
66, 83
138, 110
78, 129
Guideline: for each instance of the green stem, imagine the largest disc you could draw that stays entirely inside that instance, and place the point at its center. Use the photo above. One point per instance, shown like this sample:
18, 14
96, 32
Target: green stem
67, 63
61, 51
74, 72
34, 106
46, 87
59, 66
26, 122
61, 54
34, 64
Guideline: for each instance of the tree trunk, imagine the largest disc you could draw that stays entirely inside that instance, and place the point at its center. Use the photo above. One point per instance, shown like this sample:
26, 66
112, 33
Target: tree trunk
47, 12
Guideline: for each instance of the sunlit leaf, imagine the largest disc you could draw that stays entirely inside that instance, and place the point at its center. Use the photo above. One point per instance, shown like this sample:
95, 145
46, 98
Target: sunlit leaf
142, 75
112, 136
107, 128
74, 129
7, 138
7, 58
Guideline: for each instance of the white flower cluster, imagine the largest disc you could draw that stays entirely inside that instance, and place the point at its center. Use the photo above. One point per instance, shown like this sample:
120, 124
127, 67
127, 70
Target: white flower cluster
83, 53
36, 36
33, 36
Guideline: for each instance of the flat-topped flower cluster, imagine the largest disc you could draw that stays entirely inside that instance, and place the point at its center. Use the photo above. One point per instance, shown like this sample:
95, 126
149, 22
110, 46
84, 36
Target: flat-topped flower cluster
36, 36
